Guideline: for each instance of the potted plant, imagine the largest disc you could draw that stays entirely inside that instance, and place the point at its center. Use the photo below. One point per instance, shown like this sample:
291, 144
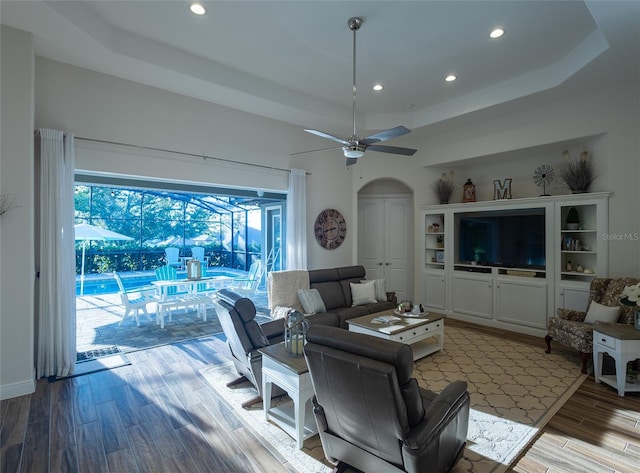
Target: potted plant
573, 219
577, 174
444, 187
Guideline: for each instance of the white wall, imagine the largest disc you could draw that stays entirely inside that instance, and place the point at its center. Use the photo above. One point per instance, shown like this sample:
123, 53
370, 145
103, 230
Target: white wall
102, 107
16, 226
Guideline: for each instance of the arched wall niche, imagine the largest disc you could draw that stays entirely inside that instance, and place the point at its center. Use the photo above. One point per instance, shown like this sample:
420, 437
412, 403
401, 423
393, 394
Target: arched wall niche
385, 186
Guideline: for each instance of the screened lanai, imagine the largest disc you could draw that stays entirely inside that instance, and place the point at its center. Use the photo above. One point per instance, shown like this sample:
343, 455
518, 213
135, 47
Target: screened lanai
234, 227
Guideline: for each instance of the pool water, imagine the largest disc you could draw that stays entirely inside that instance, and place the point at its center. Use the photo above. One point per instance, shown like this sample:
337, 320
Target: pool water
106, 284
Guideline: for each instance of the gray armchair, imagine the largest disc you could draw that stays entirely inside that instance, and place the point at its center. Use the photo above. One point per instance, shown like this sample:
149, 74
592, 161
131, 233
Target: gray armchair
244, 336
371, 413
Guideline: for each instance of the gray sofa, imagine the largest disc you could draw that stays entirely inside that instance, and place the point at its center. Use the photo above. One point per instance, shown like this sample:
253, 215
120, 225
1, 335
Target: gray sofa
245, 336
335, 291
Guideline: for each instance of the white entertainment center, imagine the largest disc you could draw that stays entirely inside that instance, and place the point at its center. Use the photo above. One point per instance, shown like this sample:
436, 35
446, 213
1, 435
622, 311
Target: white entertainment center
516, 297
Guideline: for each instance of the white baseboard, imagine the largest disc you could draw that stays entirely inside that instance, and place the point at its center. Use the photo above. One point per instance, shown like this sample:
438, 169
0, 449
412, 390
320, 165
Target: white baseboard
21, 388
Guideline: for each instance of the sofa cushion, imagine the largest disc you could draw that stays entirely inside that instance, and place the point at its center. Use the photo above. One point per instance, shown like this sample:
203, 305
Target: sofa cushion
363, 293
323, 275
380, 306
331, 293
602, 313
346, 313
351, 272
311, 301
324, 318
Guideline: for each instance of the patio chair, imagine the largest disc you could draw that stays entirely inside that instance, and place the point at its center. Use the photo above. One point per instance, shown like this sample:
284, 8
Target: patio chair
173, 257
197, 253
168, 273
248, 285
133, 301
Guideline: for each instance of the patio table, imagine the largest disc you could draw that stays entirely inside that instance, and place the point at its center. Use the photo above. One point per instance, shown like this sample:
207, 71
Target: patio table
186, 299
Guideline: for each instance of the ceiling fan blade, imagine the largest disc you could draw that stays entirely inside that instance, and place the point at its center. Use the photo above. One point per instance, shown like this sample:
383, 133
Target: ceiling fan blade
351, 161
386, 135
322, 134
392, 149
314, 150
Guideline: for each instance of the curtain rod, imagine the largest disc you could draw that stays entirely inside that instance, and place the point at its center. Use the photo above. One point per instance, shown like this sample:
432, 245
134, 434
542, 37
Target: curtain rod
203, 156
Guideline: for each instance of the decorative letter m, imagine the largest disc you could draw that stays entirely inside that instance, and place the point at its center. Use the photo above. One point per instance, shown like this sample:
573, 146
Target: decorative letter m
502, 191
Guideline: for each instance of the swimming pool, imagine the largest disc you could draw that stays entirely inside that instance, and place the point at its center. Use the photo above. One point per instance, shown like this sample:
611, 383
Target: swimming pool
105, 283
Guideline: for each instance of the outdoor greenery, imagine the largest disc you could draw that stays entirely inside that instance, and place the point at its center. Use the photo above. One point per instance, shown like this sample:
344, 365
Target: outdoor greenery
157, 220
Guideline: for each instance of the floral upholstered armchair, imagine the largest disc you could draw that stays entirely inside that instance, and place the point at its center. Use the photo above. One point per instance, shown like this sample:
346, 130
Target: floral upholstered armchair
574, 329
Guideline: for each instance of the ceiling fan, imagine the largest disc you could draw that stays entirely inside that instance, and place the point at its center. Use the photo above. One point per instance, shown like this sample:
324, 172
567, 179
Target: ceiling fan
353, 147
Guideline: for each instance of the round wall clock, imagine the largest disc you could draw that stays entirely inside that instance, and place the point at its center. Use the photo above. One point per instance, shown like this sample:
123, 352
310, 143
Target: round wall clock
330, 229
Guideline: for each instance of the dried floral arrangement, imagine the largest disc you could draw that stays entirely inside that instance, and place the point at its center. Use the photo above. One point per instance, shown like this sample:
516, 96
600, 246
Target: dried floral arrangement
7, 202
577, 174
444, 187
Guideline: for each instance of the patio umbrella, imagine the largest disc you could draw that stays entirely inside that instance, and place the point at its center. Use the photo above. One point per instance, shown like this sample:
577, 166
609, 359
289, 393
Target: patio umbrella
85, 232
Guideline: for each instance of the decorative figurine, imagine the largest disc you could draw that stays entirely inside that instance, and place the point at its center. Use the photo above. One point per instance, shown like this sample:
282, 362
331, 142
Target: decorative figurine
569, 266
542, 176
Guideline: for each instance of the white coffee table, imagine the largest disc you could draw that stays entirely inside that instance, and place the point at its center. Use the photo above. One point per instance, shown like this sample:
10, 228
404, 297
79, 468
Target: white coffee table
424, 333
292, 375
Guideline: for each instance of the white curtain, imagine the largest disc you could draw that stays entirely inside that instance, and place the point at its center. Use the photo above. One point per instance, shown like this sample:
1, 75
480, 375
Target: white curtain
297, 220
56, 324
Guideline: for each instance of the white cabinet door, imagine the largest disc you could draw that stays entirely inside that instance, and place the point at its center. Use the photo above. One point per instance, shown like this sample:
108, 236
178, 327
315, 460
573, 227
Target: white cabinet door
473, 295
385, 236
435, 290
522, 302
573, 297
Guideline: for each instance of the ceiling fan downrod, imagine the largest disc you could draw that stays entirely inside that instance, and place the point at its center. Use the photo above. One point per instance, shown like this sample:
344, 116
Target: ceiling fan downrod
354, 25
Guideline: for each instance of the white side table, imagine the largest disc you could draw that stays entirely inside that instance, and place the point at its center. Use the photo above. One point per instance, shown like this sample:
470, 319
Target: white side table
292, 375
622, 343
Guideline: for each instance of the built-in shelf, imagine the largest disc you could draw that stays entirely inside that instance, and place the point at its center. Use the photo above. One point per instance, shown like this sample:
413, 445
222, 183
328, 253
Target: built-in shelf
494, 295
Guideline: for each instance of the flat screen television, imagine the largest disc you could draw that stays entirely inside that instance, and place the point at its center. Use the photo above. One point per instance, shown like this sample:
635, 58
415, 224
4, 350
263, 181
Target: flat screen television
512, 239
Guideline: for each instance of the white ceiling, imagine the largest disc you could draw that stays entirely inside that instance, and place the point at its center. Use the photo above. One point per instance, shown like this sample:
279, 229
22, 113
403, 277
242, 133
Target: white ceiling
292, 60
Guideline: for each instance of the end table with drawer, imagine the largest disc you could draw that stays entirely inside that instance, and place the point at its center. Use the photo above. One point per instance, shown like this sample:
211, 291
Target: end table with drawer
622, 343
292, 375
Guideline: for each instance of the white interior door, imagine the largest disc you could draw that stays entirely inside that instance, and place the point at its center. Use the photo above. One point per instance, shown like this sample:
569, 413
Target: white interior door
385, 236
371, 237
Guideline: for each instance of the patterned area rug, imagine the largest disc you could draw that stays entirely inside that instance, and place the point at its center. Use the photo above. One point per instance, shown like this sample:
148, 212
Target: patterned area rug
515, 389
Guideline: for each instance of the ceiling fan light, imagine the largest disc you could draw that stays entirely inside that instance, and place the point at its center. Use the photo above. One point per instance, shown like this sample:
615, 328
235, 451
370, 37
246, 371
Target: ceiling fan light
353, 152
197, 9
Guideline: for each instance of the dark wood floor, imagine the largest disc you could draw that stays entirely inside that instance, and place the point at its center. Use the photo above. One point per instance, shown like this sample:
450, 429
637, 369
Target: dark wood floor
158, 415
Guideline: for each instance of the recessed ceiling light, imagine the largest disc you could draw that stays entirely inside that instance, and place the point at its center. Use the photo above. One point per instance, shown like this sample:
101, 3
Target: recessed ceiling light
450, 78
197, 9
378, 87
496, 33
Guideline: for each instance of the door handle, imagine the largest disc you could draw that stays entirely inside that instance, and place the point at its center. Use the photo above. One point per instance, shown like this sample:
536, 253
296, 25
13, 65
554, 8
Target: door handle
380, 264
387, 264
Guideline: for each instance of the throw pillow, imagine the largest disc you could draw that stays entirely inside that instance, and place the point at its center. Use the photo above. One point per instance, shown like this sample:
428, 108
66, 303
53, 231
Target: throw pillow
311, 301
363, 293
381, 291
602, 313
